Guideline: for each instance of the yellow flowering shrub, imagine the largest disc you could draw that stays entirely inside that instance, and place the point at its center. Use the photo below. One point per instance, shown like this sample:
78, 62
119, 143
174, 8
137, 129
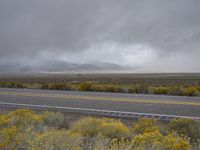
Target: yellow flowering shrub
156, 140
145, 125
24, 118
85, 86
8, 137
87, 126
56, 140
20, 130
16, 128
148, 139
173, 141
107, 127
191, 91
4, 121
114, 129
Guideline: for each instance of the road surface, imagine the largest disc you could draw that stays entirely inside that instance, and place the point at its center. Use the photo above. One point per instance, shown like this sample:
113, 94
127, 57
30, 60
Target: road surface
152, 104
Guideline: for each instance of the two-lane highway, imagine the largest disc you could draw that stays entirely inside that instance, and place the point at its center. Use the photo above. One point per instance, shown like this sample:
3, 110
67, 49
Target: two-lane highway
148, 104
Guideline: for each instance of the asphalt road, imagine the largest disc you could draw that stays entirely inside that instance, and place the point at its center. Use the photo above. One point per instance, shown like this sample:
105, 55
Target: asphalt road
156, 104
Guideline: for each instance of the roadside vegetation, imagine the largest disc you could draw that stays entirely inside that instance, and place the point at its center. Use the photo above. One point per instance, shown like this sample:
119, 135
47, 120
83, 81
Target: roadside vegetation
163, 84
26, 130
178, 90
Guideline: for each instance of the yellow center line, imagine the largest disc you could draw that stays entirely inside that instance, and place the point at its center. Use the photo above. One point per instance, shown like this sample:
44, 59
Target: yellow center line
84, 97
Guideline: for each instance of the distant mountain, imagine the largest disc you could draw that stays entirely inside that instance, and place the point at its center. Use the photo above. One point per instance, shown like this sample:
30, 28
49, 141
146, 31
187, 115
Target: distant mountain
61, 66
14, 67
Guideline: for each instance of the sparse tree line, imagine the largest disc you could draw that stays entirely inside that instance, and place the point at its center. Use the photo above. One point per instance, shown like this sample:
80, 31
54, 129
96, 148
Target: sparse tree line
26, 130
179, 90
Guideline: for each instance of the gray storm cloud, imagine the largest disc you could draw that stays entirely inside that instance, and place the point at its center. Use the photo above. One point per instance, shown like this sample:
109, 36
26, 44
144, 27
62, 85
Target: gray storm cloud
152, 35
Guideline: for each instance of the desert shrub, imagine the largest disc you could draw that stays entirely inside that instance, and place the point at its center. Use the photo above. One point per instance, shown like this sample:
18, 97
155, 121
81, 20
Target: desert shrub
16, 127
97, 88
112, 88
145, 125
8, 137
108, 128
45, 86
85, 86
12, 85
60, 86
158, 90
132, 89
148, 139
24, 118
114, 129
142, 89
54, 119
155, 140
192, 91
87, 127
173, 141
195, 145
21, 129
97, 143
176, 90
100, 142
119, 144
12, 138
197, 88
4, 121
56, 140
187, 127
56, 86
24, 139
138, 89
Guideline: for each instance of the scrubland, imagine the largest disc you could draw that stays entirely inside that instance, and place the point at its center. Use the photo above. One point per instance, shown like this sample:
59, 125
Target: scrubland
26, 130
163, 84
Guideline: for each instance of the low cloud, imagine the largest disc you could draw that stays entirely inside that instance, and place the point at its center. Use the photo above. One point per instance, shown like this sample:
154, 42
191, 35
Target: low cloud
153, 35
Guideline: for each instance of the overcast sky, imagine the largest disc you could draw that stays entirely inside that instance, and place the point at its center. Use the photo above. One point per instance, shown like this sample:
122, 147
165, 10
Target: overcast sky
150, 35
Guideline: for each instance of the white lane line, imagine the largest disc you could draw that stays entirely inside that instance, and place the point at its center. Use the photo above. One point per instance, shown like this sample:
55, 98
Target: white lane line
96, 110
